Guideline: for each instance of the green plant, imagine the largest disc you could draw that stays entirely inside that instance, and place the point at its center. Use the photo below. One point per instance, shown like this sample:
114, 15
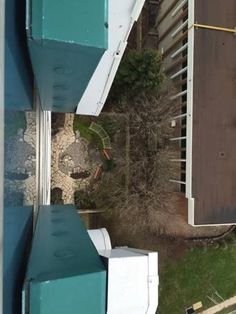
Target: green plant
56, 196
111, 126
83, 200
58, 122
109, 164
81, 124
139, 72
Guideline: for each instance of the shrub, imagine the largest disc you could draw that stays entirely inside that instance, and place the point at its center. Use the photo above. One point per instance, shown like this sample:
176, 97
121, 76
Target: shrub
108, 165
56, 196
80, 175
139, 72
83, 200
58, 122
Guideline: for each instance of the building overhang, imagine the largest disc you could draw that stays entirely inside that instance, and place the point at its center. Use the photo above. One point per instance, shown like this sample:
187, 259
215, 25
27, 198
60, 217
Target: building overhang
66, 42
121, 17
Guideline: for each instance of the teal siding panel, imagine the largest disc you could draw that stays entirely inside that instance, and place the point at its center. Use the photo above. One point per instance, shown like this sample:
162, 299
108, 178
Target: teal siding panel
64, 268
59, 296
18, 72
17, 238
78, 22
62, 72
66, 43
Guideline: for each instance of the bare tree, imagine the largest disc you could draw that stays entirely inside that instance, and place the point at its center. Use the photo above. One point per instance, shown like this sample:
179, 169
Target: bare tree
150, 166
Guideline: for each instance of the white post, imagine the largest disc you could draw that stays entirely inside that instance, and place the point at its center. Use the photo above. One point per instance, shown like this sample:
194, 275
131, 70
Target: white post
179, 29
179, 73
179, 117
178, 160
179, 7
178, 138
179, 182
177, 52
179, 95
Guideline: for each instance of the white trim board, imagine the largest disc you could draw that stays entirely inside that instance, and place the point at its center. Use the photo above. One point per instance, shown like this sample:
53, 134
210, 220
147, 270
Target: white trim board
189, 141
121, 17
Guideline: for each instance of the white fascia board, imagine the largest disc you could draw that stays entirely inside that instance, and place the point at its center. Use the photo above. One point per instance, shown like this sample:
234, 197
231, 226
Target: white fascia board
121, 17
191, 211
189, 141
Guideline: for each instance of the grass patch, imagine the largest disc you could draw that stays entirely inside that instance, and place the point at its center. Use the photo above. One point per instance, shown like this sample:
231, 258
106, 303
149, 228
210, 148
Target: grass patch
199, 273
81, 124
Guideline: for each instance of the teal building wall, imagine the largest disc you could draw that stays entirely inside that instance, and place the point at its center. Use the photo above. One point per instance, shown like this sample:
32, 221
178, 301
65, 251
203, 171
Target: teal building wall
18, 72
17, 239
65, 273
66, 42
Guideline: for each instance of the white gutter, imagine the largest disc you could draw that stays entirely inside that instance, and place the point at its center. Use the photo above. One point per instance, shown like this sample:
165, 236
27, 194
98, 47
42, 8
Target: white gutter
121, 17
2, 91
45, 158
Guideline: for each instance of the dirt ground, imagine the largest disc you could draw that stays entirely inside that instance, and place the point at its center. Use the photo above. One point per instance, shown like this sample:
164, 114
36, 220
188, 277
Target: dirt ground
169, 246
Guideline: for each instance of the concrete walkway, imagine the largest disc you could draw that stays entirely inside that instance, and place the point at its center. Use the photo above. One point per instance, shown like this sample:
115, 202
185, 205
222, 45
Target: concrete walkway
221, 306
